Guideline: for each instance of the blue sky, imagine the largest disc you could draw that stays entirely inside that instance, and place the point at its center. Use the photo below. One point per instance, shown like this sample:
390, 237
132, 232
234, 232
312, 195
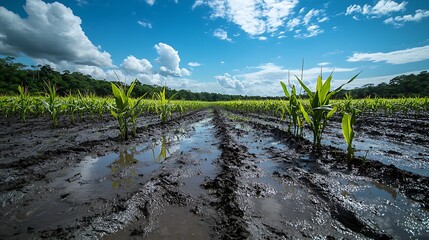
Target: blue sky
227, 46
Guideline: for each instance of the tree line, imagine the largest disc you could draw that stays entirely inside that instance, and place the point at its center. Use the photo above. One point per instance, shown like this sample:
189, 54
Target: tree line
13, 74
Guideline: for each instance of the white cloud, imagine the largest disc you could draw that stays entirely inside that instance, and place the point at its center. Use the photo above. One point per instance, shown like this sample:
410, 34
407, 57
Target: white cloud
361, 81
169, 61
262, 38
221, 34
399, 21
133, 64
194, 64
396, 57
384, 7
381, 8
323, 64
255, 17
50, 32
324, 19
94, 71
227, 81
312, 13
264, 80
291, 24
145, 24
150, 2
312, 31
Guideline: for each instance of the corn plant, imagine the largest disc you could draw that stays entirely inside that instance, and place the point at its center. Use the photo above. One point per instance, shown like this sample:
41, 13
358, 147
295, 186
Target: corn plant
124, 108
24, 102
320, 111
164, 106
349, 119
52, 104
348, 133
72, 107
293, 110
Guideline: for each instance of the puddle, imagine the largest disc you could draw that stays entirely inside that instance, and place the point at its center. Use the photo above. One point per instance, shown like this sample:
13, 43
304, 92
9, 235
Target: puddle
118, 173
401, 154
374, 148
179, 223
202, 148
383, 206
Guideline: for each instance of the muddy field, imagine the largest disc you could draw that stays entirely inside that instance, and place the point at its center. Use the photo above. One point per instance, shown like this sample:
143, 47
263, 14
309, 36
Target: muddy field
213, 174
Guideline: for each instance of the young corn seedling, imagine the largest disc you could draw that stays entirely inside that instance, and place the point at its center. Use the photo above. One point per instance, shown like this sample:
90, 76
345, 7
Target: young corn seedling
164, 107
348, 122
24, 102
320, 111
52, 104
125, 108
348, 133
292, 109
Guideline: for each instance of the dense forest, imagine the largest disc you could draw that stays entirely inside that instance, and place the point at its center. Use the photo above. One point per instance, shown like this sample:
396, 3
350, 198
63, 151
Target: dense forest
13, 74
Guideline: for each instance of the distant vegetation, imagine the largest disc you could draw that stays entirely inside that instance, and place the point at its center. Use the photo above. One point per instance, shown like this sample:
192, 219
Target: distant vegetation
13, 74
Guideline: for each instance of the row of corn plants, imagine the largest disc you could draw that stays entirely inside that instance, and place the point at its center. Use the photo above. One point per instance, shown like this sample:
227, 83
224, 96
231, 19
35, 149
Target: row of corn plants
77, 107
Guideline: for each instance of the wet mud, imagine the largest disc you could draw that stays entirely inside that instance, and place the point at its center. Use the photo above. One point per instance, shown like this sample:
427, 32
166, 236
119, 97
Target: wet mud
212, 174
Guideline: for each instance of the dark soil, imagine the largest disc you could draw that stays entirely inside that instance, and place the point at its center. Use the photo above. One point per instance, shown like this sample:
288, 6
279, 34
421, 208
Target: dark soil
212, 174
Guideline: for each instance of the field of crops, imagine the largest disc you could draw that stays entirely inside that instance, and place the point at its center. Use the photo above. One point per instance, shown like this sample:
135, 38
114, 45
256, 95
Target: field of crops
89, 167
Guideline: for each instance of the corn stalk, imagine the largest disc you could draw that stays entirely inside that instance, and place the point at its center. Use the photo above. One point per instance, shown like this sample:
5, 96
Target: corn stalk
320, 110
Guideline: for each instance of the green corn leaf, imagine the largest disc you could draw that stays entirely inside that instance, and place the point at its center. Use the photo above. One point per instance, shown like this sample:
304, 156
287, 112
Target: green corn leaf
305, 114
325, 90
346, 127
285, 89
319, 83
130, 90
114, 114
307, 90
330, 113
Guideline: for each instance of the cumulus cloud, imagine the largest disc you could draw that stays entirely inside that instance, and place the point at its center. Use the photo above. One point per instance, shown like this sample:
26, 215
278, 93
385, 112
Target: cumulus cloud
50, 32
383, 7
399, 21
227, 81
133, 64
253, 16
145, 24
221, 34
169, 61
396, 57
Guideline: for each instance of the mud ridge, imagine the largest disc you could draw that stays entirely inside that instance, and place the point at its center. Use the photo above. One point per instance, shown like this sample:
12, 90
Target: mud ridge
225, 184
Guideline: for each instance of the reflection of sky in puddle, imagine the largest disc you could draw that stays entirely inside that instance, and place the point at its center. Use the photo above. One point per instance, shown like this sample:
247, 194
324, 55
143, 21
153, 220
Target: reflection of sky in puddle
377, 149
383, 205
123, 167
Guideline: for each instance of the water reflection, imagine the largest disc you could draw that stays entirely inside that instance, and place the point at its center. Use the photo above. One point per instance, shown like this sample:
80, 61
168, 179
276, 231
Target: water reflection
164, 152
386, 188
124, 164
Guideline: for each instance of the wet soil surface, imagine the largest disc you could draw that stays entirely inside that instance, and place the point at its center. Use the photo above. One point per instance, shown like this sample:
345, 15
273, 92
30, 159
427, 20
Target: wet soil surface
212, 174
